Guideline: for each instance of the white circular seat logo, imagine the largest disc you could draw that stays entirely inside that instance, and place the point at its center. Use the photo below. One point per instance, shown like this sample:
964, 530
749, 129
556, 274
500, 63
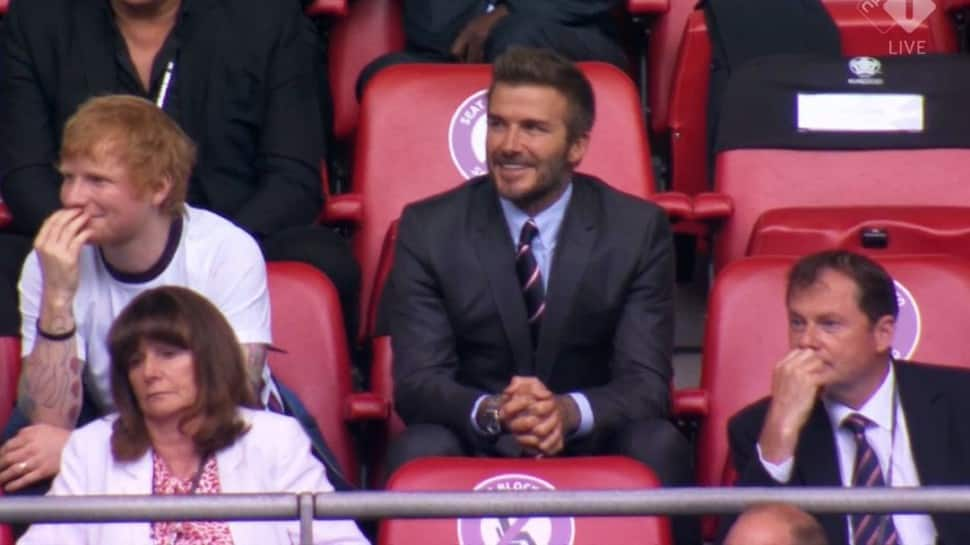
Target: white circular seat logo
908, 324
516, 530
466, 135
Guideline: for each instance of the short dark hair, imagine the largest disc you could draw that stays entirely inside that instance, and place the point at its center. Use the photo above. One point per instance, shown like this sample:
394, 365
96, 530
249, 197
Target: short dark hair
876, 291
544, 67
182, 318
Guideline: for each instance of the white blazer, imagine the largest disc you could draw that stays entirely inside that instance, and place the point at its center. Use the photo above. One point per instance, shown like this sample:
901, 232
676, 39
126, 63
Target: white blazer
274, 456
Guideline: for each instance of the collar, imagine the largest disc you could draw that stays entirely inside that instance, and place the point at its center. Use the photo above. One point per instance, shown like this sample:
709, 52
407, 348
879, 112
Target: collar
171, 245
548, 221
878, 408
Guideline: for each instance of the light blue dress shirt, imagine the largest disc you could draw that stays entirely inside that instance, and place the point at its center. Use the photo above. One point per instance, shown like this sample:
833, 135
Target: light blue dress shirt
548, 222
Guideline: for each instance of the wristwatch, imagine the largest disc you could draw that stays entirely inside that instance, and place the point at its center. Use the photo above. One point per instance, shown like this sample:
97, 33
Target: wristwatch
488, 419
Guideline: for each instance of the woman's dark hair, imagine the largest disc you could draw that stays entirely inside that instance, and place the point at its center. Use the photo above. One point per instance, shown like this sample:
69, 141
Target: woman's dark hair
184, 319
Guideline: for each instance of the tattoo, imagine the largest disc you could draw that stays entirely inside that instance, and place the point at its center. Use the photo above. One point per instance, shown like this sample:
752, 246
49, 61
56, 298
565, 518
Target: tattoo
50, 388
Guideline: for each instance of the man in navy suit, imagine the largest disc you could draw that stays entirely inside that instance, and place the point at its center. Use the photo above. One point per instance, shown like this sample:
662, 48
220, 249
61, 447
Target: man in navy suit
531, 309
841, 408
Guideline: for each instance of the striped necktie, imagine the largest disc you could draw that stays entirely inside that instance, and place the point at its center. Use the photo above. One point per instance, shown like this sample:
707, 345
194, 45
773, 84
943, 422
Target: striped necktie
868, 528
530, 278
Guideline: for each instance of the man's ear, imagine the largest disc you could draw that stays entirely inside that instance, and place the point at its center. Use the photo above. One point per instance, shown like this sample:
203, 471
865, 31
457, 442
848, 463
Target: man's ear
160, 193
577, 149
884, 330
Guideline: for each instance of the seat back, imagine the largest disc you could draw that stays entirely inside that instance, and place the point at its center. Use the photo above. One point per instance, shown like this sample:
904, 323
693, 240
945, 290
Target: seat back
370, 29
766, 179
308, 326
9, 375
680, 106
746, 334
422, 131
793, 158
467, 474
874, 230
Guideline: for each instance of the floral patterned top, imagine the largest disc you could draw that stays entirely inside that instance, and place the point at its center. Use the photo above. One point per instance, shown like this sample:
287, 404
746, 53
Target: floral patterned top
188, 533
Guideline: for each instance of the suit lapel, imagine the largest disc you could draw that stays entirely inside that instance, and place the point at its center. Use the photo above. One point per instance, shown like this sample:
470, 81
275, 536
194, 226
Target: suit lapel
96, 46
576, 237
927, 423
496, 255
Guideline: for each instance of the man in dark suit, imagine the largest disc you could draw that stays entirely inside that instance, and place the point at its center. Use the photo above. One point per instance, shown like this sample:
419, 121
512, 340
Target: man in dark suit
481, 30
843, 413
531, 310
239, 76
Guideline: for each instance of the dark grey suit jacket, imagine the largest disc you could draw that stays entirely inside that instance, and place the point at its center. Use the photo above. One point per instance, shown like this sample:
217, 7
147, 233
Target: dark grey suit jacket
936, 402
458, 318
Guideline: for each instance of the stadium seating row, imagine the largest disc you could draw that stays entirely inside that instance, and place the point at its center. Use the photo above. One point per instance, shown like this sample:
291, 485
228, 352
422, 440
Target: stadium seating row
745, 333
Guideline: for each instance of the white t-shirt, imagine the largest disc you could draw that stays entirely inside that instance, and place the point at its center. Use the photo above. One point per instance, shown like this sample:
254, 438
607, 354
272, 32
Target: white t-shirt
212, 256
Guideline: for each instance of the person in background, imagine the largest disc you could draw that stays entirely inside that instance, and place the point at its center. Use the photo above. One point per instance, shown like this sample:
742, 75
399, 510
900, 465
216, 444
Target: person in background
450, 31
776, 524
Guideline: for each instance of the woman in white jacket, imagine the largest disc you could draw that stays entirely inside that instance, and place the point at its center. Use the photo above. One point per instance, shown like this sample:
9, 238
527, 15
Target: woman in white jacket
182, 427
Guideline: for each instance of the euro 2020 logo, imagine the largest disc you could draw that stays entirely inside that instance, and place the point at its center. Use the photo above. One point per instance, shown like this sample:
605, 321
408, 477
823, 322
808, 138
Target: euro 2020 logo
908, 14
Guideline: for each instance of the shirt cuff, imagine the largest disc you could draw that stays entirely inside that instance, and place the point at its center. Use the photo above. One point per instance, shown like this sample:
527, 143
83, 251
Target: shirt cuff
780, 472
585, 415
471, 417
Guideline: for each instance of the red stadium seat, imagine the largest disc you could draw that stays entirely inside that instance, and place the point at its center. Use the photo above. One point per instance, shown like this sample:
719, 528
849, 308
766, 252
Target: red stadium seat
9, 375
864, 229
666, 38
326, 7
746, 334
680, 106
465, 474
408, 149
759, 180
5, 217
309, 329
370, 29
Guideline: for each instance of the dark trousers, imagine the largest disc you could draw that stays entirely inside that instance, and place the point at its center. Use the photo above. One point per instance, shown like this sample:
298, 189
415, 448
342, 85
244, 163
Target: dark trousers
655, 443
577, 43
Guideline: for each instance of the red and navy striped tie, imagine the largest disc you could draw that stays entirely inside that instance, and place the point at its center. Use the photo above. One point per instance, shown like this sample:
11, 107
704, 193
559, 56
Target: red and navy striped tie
530, 278
868, 528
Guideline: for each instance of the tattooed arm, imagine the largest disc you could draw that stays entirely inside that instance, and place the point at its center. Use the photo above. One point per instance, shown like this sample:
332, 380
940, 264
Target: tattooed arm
50, 389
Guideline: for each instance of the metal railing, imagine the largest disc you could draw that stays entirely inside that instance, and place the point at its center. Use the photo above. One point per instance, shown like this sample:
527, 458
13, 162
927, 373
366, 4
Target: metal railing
378, 505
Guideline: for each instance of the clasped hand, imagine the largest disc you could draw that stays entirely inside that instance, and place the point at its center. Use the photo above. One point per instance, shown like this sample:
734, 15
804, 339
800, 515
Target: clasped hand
537, 418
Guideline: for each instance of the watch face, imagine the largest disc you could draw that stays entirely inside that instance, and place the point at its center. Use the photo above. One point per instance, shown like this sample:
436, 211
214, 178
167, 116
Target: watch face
493, 426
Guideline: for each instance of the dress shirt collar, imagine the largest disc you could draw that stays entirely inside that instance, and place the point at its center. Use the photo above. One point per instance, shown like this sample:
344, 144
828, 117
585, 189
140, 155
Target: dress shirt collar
548, 221
878, 408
